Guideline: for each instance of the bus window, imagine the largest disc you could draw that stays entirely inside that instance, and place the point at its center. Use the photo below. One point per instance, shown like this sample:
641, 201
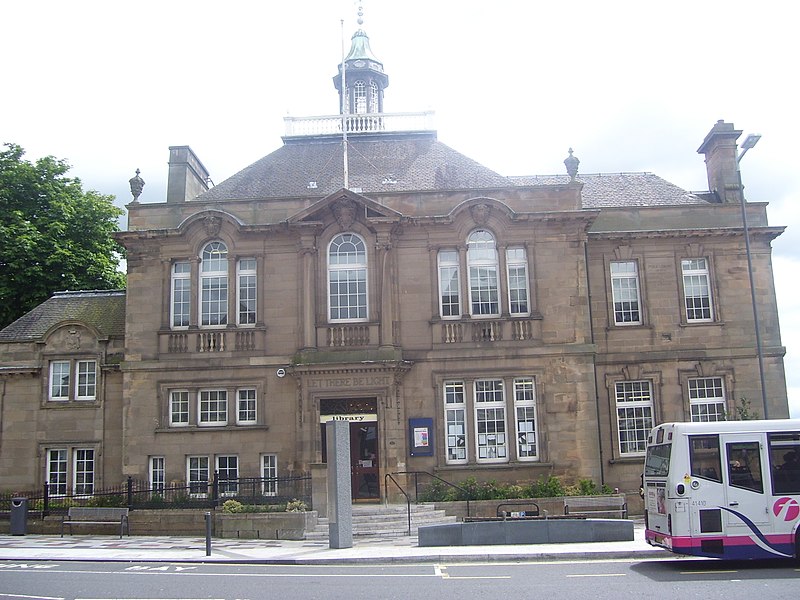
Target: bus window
784, 460
744, 466
656, 463
704, 457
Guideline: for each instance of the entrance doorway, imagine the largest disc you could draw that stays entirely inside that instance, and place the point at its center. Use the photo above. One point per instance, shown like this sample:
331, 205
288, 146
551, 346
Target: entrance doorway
362, 416
364, 471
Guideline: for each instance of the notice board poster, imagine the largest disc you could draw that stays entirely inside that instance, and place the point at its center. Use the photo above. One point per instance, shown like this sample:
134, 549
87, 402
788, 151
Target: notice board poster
420, 437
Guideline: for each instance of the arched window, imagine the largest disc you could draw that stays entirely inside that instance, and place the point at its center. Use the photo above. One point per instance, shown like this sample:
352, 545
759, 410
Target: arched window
360, 98
347, 278
214, 284
482, 263
373, 97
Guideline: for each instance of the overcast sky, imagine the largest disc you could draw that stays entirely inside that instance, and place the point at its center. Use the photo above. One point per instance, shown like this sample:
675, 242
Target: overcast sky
631, 86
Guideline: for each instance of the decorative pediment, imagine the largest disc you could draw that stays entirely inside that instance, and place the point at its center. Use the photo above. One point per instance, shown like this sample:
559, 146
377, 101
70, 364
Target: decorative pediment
482, 209
345, 207
211, 221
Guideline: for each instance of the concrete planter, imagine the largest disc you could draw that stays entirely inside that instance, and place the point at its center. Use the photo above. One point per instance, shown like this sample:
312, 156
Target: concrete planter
265, 526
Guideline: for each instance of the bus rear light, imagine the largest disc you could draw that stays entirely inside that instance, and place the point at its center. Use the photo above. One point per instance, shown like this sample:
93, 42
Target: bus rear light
646, 520
669, 524
680, 489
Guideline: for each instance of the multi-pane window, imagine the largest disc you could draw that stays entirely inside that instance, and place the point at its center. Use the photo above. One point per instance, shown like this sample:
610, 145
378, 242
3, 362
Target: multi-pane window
517, 267
373, 96
84, 472
214, 284
696, 289
179, 408
625, 291
87, 380
57, 472
197, 475
634, 402
269, 474
59, 379
347, 278
455, 411
246, 409
360, 97
449, 284
213, 407
228, 474
525, 409
247, 291
490, 421
707, 399
181, 294
157, 473
482, 262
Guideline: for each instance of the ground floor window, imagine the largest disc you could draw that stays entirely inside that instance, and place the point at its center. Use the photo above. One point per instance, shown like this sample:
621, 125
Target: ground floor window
634, 400
84, 472
480, 418
57, 472
70, 467
269, 474
707, 399
228, 475
157, 473
525, 412
197, 475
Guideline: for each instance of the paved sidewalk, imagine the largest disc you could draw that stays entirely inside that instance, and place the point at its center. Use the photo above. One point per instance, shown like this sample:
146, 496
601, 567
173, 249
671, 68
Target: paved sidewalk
365, 550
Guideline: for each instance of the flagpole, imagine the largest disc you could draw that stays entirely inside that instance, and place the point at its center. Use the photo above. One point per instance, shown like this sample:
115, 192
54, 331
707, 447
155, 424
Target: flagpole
344, 115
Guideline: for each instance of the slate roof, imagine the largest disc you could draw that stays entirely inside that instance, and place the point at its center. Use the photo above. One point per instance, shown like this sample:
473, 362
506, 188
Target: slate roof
620, 190
408, 162
382, 163
104, 310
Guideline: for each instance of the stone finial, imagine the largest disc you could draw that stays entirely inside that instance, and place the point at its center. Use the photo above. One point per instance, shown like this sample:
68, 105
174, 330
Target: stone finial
137, 184
572, 163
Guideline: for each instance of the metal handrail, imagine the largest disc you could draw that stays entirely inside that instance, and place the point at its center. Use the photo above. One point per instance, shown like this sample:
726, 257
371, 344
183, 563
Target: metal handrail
431, 475
402, 491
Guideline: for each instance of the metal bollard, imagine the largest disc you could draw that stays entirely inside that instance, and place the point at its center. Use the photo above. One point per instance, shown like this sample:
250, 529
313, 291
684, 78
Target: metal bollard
208, 534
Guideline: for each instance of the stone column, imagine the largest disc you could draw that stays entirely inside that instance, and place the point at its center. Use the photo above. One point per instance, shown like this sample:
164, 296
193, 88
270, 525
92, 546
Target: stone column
385, 264
308, 293
340, 508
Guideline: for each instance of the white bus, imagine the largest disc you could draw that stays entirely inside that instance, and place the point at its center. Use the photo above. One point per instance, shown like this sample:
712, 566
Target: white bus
726, 489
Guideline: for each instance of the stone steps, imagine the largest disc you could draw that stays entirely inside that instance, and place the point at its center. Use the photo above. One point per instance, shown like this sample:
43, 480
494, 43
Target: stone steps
379, 520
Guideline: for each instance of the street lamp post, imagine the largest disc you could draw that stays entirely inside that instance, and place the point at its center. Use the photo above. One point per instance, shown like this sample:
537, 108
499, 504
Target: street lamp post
749, 142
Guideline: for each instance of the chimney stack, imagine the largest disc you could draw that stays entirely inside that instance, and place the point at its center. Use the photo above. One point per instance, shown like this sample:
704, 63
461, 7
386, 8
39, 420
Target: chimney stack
188, 178
721, 154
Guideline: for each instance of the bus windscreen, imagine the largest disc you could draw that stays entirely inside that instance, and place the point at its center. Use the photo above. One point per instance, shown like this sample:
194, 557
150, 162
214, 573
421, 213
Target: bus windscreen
657, 461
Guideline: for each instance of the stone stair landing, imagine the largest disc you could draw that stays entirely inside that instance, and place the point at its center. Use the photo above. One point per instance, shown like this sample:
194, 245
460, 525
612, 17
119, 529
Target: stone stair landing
382, 520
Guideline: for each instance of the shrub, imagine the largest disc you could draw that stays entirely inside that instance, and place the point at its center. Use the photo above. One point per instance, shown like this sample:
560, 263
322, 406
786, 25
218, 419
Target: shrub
232, 506
296, 505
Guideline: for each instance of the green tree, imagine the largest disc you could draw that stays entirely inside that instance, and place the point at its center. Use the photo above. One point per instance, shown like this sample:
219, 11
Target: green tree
53, 235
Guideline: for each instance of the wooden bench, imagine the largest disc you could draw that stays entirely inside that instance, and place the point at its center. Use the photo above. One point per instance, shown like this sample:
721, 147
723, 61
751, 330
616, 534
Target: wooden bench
593, 505
85, 515
529, 509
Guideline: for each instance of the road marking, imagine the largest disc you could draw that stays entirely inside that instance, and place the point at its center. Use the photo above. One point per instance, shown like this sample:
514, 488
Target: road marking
599, 575
31, 597
707, 572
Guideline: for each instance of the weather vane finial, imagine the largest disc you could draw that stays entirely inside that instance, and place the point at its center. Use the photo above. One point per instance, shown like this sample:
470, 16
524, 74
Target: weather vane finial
360, 14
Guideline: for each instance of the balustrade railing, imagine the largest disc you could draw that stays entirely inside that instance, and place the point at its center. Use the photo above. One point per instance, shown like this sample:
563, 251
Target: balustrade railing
359, 123
348, 335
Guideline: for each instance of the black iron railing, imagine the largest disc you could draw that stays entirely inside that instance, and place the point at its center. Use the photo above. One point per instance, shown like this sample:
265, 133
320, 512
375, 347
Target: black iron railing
135, 494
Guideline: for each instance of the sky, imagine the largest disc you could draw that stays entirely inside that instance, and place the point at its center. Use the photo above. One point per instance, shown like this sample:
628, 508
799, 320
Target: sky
630, 85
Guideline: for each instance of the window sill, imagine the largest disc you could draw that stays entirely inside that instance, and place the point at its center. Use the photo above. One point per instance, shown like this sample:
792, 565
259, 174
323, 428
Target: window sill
65, 404
690, 324
196, 428
627, 460
494, 466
